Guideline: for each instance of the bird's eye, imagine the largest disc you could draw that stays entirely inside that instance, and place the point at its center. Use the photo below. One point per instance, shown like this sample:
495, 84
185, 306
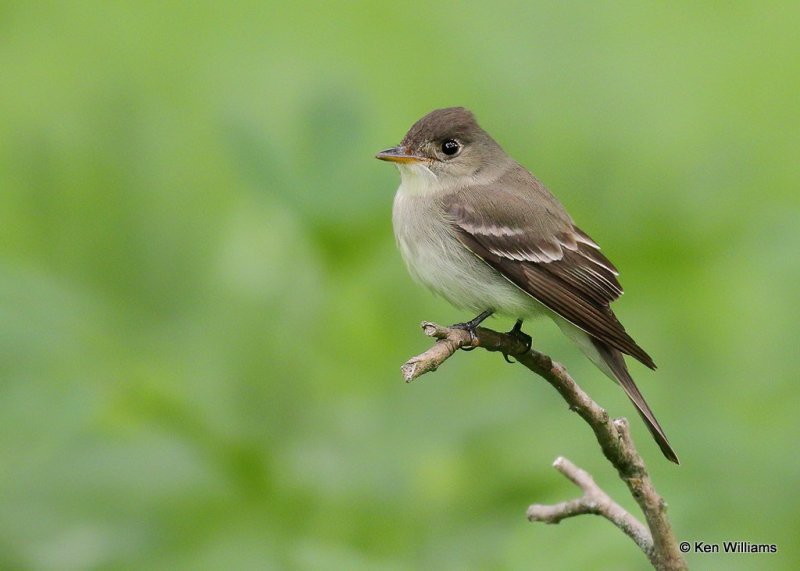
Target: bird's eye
450, 147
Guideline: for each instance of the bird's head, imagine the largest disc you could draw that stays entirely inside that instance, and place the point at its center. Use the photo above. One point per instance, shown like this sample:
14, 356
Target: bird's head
447, 144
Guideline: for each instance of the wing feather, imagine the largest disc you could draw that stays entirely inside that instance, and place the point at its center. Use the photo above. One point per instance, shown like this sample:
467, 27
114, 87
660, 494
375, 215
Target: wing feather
547, 256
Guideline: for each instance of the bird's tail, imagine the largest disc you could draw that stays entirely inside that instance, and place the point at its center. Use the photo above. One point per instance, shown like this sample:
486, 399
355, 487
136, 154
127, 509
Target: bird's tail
616, 362
612, 363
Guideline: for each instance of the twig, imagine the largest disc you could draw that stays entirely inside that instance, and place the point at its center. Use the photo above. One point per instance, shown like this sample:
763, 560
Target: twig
593, 501
612, 435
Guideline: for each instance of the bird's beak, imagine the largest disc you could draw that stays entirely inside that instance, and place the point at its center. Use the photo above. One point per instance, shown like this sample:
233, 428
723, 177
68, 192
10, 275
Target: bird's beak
401, 154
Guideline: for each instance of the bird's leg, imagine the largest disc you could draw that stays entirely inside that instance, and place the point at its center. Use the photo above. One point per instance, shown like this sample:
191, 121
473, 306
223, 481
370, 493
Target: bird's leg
517, 333
471, 325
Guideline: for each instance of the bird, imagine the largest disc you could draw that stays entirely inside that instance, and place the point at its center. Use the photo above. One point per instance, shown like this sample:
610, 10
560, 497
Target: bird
477, 228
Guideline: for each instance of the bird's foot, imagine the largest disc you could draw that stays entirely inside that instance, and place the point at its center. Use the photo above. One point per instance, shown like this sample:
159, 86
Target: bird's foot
518, 334
470, 327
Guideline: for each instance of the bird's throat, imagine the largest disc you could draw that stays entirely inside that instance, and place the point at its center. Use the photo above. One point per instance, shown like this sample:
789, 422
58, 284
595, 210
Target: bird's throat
417, 179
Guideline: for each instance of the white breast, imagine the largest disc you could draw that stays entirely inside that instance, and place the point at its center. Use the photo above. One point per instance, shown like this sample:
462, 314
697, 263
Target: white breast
436, 258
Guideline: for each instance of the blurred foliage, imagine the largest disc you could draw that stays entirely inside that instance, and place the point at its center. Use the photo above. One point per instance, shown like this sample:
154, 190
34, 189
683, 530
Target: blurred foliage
202, 312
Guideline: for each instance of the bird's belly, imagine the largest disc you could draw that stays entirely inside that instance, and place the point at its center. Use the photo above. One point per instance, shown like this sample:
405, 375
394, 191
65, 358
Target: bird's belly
437, 259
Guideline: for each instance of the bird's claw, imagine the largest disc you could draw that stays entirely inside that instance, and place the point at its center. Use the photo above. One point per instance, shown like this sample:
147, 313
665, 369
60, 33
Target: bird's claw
518, 334
470, 327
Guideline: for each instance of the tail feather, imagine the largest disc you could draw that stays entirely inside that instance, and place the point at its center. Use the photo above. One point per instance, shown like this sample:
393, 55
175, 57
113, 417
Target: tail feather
612, 363
616, 362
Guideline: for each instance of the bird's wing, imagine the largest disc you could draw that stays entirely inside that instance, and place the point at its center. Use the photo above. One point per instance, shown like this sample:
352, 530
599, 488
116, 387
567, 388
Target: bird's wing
535, 245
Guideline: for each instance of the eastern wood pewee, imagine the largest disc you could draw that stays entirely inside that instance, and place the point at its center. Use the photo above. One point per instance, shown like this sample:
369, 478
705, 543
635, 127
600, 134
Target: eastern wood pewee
476, 227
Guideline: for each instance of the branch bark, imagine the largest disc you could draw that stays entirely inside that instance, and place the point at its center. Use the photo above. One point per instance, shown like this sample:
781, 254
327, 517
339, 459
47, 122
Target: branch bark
593, 501
656, 539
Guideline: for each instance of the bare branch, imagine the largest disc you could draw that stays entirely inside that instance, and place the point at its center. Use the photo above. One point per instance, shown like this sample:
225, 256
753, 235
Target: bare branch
449, 341
593, 501
613, 436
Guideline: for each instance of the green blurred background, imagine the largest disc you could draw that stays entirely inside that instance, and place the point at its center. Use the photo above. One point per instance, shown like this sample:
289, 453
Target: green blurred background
203, 314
